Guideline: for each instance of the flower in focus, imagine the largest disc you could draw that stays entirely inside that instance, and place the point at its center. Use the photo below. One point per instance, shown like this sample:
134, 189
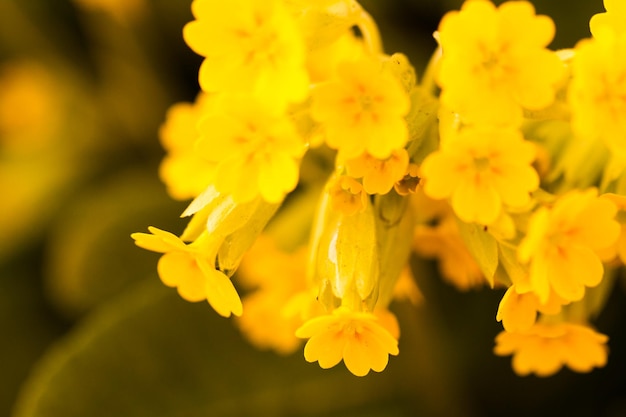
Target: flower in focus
358, 338
546, 348
379, 175
482, 169
495, 61
257, 150
562, 242
249, 45
362, 110
191, 269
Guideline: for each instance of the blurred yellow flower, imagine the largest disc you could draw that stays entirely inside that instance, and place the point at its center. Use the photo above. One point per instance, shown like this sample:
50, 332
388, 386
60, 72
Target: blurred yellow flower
249, 45
482, 169
612, 20
357, 338
597, 92
546, 348
562, 242
191, 269
518, 311
185, 172
495, 61
362, 110
257, 150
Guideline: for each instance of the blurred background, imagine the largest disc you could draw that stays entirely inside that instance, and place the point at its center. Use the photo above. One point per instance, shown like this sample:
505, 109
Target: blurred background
86, 329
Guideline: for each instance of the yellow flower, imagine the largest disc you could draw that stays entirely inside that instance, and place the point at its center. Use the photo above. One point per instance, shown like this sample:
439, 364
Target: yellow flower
482, 169
191, 269
562, 243
408, 183
362, 110
518, 311
358, 338
379, 175
249, 45
612, 20
257, 150
281, 301
495, 61
546, 348
443, 242
184, 171
597, 92
347, 195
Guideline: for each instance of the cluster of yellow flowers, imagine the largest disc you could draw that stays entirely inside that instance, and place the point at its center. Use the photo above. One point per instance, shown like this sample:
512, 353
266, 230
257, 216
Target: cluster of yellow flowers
505, 163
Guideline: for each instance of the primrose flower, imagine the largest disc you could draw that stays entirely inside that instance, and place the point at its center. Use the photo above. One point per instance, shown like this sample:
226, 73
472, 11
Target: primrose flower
597, 92
185, 172
257, 150
379, 175
358, 338
518, 311
562, 245
347, 195
495, 61
362, 110
546, 348
191, 269
482, 169
249, 45
280, 301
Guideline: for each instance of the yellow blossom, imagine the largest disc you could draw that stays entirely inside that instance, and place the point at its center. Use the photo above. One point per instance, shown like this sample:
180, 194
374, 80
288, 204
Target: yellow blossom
409, 182
597, 92
257, 150
379, 175
281, 300
518, 311
546, 348
443, 242
362, 110
495, 61
562, 242
482, 169
356, 337
185, 172
191, 269
249, 45
612, 20
347, 195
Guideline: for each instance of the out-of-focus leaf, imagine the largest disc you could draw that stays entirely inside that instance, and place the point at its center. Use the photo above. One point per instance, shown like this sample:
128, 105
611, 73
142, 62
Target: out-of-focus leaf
90, 253
148, 353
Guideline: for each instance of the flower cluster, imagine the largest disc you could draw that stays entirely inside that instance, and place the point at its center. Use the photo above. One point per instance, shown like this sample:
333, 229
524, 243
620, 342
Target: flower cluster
318, 165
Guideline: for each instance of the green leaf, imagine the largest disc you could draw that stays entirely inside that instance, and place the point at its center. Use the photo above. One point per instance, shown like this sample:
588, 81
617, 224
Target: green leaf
483, 247
149, 353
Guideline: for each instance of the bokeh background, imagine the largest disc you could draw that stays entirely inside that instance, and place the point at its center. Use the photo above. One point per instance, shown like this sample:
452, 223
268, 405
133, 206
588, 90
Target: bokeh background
86, 329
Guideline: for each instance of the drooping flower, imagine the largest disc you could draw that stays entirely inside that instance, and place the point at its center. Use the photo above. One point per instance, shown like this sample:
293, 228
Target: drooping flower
358, 338
249, 45
518, 311
347, 195
495, 61
562, 245
257, 149
190, 268
546, 348
379, 175
362, 110
482, 169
